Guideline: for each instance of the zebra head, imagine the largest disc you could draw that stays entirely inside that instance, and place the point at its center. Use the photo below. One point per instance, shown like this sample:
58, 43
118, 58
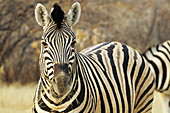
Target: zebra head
57, 57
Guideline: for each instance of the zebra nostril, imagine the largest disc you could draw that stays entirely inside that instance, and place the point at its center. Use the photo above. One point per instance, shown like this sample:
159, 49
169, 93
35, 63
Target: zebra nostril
54, 80
69, 70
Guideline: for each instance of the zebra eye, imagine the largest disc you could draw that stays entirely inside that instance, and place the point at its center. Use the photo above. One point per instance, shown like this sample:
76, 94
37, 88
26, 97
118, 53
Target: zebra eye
44, 44
73, 43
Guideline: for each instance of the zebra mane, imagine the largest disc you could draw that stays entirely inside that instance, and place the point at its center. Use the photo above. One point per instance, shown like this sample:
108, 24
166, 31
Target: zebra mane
57, 15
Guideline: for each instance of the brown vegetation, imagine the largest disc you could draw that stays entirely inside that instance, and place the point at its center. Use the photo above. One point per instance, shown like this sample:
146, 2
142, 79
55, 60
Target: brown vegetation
138, 24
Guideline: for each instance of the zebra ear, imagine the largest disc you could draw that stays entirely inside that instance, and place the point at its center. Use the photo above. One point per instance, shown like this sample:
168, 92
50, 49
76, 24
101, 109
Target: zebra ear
74, 14
41, 15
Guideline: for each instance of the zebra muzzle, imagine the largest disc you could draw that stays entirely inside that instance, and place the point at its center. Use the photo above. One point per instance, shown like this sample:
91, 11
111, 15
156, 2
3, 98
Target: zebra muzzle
61, 81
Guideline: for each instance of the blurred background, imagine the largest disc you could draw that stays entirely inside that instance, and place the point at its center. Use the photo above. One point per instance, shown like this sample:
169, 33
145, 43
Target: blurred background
139, 24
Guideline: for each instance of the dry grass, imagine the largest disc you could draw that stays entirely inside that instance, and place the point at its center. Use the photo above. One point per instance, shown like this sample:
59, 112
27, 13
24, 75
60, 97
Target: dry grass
16, 98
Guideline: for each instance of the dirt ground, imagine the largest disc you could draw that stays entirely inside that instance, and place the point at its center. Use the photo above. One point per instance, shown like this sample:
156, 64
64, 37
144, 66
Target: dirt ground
16, 98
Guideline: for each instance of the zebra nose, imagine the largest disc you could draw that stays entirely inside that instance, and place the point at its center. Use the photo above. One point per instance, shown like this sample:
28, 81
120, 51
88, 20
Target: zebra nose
60, 68
61, 84
61, 80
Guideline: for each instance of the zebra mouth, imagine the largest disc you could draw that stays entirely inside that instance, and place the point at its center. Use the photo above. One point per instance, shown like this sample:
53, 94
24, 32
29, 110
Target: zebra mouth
60, 86
54, 94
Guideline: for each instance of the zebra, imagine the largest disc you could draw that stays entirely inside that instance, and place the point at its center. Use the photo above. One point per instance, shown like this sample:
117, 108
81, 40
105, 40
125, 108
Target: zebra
109, 77
159, 61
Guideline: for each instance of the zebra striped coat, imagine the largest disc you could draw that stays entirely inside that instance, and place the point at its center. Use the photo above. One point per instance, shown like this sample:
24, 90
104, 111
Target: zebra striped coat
110, 77
159, 62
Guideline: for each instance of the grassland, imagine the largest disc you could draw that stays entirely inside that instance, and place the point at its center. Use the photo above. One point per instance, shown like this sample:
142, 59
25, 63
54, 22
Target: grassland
16, 98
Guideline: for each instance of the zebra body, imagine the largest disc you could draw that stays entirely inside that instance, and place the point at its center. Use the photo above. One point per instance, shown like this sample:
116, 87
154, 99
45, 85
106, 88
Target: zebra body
159, 62
109, 77
116, 86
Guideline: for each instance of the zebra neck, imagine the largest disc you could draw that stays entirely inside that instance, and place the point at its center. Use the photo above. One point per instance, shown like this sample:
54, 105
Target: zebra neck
87, 96
79, 97
44, 100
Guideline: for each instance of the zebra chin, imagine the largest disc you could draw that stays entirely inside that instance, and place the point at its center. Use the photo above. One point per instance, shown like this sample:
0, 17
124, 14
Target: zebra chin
61, 84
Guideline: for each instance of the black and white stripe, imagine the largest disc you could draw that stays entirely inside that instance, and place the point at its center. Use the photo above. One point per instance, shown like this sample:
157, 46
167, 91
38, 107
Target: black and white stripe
111, 77
107, 78
159, 61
